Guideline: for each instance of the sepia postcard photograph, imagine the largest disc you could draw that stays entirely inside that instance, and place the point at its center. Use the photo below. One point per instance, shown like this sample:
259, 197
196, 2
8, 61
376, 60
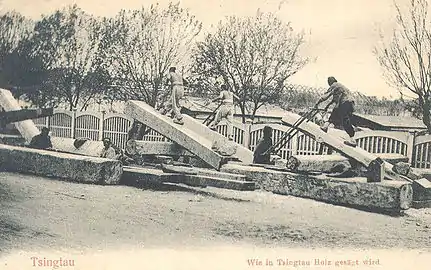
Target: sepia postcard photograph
215, 134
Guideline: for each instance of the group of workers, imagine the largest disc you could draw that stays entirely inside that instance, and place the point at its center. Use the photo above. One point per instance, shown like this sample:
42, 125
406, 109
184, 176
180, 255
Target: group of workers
340, 117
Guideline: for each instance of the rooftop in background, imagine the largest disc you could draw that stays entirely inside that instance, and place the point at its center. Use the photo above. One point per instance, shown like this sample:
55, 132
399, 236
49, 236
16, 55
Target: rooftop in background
381, 122
196, 106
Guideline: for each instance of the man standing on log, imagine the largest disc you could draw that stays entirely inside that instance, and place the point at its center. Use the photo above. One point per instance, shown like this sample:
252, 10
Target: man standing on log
261, 154
177, 93
343, 110
226, 110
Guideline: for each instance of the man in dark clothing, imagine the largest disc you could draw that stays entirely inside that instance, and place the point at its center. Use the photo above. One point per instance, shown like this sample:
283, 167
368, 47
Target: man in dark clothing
260, 156
42, 140
342, 112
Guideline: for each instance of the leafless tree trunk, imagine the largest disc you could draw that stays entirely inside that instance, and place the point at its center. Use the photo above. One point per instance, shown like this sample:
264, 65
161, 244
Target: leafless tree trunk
253, 55
406, 58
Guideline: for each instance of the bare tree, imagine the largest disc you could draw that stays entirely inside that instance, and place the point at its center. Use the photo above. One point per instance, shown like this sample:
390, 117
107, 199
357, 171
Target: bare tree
142, 44
14, 28
253, 55
67, 43
406, 58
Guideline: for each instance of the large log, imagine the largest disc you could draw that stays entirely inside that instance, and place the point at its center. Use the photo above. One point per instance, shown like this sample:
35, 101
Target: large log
24, 114
198, 144
242, 153
387, 196
70, 167
320, 163
156, 148
337, 143
26, 128
88, 148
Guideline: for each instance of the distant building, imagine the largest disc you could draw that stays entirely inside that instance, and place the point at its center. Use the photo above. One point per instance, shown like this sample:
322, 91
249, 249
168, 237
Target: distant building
389, 123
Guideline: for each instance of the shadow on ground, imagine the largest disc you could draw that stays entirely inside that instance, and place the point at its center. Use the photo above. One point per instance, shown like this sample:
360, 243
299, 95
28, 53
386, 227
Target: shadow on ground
170, 187
11, 230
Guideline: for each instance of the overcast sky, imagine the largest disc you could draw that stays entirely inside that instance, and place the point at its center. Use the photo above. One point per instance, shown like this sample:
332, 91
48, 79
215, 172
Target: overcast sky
340, 33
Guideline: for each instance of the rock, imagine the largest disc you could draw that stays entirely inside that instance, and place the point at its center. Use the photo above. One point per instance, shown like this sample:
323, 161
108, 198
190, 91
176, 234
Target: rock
402, 168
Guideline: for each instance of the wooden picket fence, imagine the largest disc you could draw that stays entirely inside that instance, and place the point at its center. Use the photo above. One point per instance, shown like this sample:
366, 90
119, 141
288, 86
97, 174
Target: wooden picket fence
96, 126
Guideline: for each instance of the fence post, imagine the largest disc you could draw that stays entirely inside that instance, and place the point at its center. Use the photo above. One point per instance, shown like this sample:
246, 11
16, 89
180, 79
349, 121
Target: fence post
73, 124
294, 144
410, 146
102, 119
247, 133
48, 121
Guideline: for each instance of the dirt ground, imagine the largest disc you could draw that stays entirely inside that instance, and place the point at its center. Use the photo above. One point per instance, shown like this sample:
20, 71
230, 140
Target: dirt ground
39, 213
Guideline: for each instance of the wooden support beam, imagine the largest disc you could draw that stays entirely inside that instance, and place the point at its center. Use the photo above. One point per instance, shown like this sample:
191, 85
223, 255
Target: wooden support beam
60, 165
16, 140
376, 171
139, 175
393, 158
388, 195
201, 171
156, 148
421, 190
24, 114
337, 143
198, 144
201, 180
26, 128
146, 175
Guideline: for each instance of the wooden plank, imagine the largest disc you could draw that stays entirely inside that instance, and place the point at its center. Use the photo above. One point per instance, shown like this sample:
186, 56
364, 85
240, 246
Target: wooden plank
26, 128
388, 195
196, 143
139, 175
70, 167
202, 172
146, 175
200, 180
360, 155
392, 158
242, 153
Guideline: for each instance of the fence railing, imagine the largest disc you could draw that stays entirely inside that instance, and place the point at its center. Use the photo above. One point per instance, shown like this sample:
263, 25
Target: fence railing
96, 126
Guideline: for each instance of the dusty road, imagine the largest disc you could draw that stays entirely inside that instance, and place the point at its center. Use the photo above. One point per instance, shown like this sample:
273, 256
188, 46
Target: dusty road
38, 213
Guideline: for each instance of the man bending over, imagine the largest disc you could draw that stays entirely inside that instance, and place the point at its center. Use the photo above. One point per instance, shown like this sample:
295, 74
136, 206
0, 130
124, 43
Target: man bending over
343, 110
